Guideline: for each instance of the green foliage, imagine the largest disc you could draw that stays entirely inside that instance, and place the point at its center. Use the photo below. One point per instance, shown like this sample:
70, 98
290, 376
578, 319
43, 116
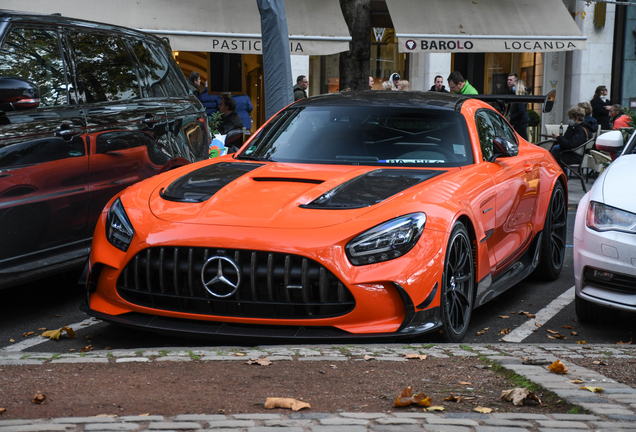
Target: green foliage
214, 120
535, 119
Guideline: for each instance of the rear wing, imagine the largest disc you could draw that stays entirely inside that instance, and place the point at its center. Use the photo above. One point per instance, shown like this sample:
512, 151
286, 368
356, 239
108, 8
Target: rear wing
503, 100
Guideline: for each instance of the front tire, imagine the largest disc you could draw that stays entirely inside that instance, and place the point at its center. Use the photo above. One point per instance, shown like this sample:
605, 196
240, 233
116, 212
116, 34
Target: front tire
554, 235
457, 285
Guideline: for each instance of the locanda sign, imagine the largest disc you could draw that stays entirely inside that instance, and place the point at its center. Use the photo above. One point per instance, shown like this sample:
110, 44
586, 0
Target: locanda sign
492, 45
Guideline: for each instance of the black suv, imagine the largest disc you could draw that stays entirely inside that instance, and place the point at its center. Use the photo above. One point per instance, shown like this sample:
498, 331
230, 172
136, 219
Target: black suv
86, 109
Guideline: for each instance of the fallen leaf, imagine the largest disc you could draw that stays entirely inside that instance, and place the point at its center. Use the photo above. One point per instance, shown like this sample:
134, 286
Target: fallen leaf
560, 336
11, 340
537, 324
107, 348
27, 334
577, 381
72, 349
452, 398
574, 334
294, 404
552, 331
333, 366
261, 361
469, 398
483, 410
144, 414
567, 327
529, 315
87, 348
598, 362
624, 343
581, 342
58, 315
504, 316
55, 334
42, 329
558, 367
240, 354
2, 410
518, 395
368, 357
512, 312
464, 383
551, 337
407, 398
39, 398
435, 408
593, 389
415, 356
504, 331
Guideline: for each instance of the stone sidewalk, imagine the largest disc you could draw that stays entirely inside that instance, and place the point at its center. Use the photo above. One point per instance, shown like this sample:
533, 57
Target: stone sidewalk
612, 410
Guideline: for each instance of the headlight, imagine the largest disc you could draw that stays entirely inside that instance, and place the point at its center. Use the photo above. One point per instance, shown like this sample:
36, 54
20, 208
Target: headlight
119, 230
388, 241
601, 217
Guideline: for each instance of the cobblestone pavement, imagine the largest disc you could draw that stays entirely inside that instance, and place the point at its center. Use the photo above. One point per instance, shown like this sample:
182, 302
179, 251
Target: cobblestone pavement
613, 410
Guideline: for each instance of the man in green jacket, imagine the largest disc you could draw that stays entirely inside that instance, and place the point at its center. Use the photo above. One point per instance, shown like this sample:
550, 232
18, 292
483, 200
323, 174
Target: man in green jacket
458, 85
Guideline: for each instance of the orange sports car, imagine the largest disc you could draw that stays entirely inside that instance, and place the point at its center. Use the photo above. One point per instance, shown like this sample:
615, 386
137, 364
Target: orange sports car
356, 214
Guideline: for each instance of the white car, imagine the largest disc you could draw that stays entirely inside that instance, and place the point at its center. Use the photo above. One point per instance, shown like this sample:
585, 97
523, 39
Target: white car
605, 238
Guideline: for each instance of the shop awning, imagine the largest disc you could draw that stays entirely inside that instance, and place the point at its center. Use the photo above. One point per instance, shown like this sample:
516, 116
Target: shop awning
465, 26
228, 26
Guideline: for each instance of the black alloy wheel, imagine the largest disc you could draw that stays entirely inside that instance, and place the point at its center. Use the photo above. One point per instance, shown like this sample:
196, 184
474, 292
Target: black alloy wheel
457, 285
554, 236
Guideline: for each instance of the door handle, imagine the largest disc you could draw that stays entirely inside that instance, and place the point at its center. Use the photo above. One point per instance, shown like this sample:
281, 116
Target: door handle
67, 133
528, 166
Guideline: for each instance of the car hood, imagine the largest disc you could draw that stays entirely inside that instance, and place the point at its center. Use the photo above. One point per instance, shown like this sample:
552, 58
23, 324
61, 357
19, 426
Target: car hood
616, 180
253, 194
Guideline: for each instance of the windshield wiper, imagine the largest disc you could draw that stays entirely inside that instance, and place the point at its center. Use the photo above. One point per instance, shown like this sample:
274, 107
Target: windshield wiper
253, 158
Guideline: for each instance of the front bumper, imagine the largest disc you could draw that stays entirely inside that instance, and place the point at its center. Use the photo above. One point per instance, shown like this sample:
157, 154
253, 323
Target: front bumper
607, 252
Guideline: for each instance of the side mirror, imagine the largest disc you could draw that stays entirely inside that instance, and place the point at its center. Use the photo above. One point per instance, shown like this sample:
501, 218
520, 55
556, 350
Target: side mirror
549, 101
503, 148
18, 94
610, 142
234, 140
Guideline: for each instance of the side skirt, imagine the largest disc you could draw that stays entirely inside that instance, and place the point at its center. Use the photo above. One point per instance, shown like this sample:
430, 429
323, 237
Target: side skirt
489, 288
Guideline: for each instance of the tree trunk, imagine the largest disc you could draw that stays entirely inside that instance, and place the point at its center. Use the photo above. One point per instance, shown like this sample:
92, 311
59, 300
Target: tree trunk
354, 64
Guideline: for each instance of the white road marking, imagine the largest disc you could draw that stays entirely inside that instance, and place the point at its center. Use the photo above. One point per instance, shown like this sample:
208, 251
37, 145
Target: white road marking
542, 317
28, 343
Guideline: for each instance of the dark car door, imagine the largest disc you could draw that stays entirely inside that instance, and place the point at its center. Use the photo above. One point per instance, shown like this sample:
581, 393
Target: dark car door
124, 125
43, 159
187, 136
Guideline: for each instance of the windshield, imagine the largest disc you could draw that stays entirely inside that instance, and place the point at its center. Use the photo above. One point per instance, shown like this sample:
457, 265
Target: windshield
364, 135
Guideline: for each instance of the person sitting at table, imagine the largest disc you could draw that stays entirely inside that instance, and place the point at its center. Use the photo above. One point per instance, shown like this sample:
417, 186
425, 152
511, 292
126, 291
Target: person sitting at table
577, 133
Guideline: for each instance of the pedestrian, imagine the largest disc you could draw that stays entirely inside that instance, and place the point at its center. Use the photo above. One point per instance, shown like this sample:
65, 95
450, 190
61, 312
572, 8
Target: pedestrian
439, 85
587, 108
194, 83
601, 107
404, 85
230, 120
371, 82
394, 79
458, 85
243, 109
518, 115
386, 85
210, 102
300, 88
577, 133
619, 118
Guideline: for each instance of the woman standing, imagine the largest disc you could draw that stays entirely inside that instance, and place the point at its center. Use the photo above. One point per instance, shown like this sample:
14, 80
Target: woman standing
519, 118
601, 107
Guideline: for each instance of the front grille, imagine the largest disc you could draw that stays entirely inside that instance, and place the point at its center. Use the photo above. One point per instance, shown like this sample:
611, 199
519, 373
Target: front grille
619, 282
272, 285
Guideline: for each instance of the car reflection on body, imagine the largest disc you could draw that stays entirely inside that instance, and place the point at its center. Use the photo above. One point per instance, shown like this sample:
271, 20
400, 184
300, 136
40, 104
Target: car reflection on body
605, 240
356, 214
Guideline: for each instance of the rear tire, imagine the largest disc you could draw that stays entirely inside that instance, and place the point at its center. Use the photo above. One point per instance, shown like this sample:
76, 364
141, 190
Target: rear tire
555, 229
457, 292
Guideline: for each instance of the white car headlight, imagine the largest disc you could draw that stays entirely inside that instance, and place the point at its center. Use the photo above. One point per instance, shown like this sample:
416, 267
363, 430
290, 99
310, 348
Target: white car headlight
119, 230
601, 217
387, 241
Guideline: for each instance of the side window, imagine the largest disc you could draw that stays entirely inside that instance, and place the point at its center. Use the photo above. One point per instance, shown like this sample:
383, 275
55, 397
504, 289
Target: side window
105, 71
33, 54
160, 75
502, 128
487, 133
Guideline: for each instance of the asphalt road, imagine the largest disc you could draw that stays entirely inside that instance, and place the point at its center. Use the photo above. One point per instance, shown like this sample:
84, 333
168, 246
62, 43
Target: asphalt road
54, 302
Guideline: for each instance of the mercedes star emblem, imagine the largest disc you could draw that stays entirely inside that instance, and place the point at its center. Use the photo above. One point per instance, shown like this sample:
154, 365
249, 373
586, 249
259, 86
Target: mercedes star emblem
219, 280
